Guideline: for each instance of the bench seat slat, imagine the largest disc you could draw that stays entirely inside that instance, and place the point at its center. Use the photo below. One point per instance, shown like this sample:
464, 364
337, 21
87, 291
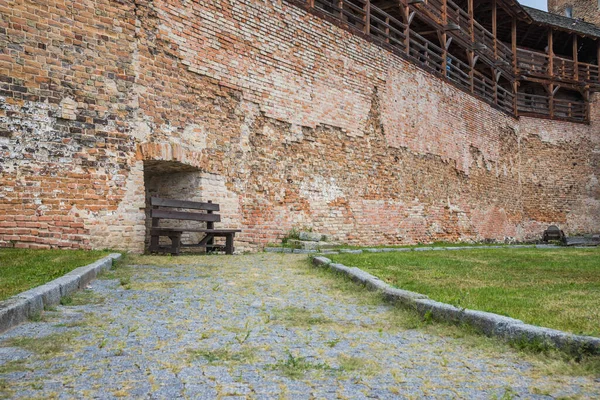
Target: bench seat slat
185, 215
196, 230
193, 205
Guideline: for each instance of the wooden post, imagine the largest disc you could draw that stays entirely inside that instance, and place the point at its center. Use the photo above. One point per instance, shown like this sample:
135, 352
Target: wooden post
444, 13
575, 58
442, 37
472, 20
407, 20
210, 225
550, 52
515, 87
551, 89
472, 60
496, 76
387, 29
495, 27
367, 17
514, 45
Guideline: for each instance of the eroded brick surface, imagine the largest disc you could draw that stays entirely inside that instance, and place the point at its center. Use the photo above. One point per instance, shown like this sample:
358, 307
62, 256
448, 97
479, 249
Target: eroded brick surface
282, 118
588, 10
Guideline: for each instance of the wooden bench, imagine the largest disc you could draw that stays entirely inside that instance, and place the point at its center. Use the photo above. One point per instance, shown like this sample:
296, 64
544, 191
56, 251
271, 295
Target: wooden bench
554, 233
162, 209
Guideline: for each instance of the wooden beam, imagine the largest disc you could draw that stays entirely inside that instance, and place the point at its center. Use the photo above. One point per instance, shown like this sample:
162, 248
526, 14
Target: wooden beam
367, 17
387, 29
575, 57
550, 52
551, 90
444, 13
405, 12
472, 20
496, 76
543, 82
443, 43
513, 32
472, 60
495, 27
515, 88
556, 89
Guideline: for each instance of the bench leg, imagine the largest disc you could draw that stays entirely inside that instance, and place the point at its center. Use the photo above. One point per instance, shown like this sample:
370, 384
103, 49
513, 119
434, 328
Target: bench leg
175, 244
229, 243
154, 240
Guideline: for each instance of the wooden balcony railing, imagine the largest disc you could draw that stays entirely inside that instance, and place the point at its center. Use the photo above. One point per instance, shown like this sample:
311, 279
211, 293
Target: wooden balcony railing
538, 64
433, 9
564, 69
532, 63
388, 29
382, 27
460, 18
506, 98
533, 104
539, 105
570, 109
588, 73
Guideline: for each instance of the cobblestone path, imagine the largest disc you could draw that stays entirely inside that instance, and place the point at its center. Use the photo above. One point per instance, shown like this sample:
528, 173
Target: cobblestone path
254, 326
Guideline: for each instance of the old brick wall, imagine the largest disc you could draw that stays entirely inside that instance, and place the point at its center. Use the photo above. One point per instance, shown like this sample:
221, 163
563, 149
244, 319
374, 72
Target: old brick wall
65, 148
589, 10
289, 121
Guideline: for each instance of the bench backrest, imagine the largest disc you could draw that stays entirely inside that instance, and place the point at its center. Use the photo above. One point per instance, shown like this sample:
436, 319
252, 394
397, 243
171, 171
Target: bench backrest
161, 213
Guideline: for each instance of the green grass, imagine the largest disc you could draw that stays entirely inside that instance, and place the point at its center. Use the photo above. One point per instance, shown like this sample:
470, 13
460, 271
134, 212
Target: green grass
558, 289
23, 269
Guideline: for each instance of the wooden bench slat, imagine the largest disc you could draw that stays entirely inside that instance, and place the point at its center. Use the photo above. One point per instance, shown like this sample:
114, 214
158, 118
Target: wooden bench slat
157, 229
185, 216
193, 205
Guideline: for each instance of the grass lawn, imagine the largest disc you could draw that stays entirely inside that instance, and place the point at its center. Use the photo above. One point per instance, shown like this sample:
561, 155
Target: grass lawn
23, 269
553, 288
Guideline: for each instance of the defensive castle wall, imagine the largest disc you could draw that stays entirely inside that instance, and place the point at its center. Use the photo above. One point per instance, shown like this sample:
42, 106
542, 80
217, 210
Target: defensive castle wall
589, 10
279, 116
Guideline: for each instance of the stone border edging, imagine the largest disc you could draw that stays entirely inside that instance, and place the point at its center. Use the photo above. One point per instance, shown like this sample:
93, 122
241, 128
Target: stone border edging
25, 305
403, 249
490, 324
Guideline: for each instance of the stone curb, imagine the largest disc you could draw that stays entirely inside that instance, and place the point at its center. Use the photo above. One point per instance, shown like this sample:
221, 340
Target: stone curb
509, 329
404, 249
23, 306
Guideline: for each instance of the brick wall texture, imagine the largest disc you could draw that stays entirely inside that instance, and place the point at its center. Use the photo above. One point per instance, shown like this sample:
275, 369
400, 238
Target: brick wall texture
589, 10
284, 119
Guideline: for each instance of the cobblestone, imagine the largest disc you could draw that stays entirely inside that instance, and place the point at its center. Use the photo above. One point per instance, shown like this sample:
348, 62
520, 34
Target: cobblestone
253, 326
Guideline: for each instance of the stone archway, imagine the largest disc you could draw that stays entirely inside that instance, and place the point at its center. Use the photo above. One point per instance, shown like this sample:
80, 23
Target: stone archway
170, 171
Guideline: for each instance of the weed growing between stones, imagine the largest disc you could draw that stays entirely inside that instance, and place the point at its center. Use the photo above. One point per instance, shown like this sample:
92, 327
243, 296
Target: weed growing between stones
36, 317
5, 390
47, 346
81, 298
350, 364
14, 366
296, 367
225, 355
299, 317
